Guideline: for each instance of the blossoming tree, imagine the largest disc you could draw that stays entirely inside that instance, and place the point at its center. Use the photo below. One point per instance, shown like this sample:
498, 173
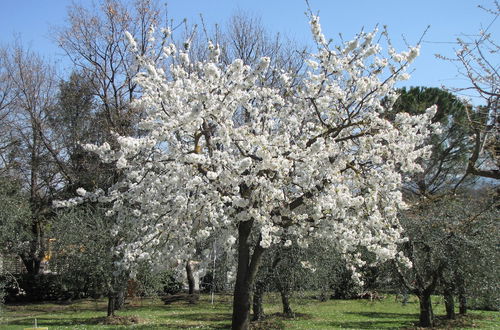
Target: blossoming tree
313, 160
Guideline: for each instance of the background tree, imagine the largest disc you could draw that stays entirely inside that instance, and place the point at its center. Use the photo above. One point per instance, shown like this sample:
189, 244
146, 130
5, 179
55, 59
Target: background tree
448, 160
94, 40
280, 271
83, 252
76, 120
7, 97
476, 63
472, 253
450, 239
427, 240
28, 154
14, 215
442, 174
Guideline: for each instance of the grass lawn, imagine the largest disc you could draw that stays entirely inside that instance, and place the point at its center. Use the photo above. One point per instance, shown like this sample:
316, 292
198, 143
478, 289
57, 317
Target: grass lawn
311, 314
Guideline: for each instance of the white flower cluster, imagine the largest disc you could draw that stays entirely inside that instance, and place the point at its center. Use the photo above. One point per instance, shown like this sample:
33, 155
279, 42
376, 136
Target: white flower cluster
318, 161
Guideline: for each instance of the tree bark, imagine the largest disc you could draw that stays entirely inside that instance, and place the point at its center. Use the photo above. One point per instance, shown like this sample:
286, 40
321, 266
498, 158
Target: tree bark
285, 300
190, 277
120, 299
426, 318
284, 290
36, 249
462, 298
31, 263
449, 303
324, 293
245, 276
111, 303
116, 294
258, 296
33, 258
462, 303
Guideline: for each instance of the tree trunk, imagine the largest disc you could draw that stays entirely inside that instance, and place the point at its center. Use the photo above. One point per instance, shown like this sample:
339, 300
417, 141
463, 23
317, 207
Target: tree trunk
324, 294
426, 318
120, 299
36, 249
285, 300
462, 298
462, 303
33, 258
190, 277
284, 290
31, 263
449, 303
245, 276
258, 296
111, 303
117, 293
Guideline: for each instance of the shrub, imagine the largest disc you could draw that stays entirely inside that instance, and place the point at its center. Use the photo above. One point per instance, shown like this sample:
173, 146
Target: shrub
149, 282
34, 288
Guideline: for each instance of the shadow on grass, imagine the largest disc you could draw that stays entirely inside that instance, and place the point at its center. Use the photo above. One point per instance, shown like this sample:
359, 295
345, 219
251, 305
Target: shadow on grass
378, 320
381, 315
164, 321
393, 325
222, 320
196, 317
48, 321
184, 326
54, 307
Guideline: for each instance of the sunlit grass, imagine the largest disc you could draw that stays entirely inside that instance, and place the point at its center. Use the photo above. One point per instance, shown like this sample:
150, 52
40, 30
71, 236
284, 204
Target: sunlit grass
310, 314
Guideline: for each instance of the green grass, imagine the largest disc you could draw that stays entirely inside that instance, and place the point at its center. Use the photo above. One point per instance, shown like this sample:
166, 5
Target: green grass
310, 314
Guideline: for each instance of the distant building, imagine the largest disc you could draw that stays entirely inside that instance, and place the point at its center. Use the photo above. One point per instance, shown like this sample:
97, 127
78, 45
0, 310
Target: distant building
11, 263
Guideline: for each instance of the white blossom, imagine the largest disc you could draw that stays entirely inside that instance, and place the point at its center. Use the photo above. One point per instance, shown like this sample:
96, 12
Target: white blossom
315, 160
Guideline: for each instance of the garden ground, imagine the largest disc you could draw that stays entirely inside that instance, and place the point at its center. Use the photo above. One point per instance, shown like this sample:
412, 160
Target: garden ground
310, 314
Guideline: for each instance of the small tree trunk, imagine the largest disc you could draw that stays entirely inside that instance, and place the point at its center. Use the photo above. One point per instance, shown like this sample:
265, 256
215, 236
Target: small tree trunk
111, 303
449, 303
120, 299
258, 296
116, 294
324, 294
31, 264
285, 300
285, 297
245, 276
462, 303
426, 318
462, 298
190, 277
32, 260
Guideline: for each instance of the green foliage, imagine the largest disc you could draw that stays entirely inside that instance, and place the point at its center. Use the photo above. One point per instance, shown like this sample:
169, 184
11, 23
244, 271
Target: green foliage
486, 297
416, 100
76, 120
82, 251
34, 288
83, 257
455, 237
3, 290
151, 282
15, 216
73, 114
450, 148
319, 268
14, 224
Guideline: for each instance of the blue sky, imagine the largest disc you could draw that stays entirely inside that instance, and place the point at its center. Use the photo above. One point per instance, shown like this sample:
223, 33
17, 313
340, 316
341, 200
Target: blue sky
31, 19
